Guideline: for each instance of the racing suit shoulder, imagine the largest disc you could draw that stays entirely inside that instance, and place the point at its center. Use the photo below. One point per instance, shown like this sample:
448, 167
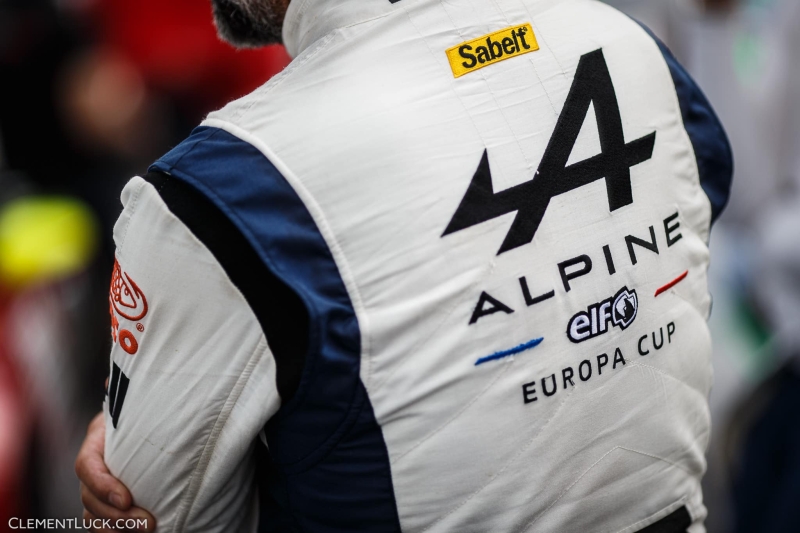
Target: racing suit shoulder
192, 380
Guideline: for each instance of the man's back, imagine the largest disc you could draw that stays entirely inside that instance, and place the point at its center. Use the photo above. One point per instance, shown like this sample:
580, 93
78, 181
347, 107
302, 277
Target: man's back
495, 215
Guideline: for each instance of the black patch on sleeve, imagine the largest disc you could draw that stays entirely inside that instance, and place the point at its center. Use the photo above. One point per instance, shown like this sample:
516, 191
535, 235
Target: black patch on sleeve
677, 522
281, 313
118, 389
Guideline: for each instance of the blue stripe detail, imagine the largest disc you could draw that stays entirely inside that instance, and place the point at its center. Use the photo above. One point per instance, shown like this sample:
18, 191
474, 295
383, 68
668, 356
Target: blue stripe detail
711, 146
330, 467
508, 353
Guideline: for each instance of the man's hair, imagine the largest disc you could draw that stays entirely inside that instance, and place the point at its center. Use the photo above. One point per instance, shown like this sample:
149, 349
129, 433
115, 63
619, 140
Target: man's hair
249, 23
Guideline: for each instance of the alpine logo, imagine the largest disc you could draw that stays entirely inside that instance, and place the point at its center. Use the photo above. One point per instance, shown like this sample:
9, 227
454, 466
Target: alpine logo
592, 85
620, 310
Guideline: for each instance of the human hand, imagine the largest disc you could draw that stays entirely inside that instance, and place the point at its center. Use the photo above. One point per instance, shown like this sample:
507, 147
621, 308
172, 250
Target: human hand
104, 497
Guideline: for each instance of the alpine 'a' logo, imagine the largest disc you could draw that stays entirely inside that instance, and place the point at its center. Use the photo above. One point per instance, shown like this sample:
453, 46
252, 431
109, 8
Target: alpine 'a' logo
620, 310
592, 84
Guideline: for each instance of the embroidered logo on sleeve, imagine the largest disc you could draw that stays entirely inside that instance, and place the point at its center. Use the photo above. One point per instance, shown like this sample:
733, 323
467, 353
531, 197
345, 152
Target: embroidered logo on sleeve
489, 49
127, 300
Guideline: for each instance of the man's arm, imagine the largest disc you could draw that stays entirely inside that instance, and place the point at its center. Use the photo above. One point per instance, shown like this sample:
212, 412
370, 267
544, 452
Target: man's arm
192, 379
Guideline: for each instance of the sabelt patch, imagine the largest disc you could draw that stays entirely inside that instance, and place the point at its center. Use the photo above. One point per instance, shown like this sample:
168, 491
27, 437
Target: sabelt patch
490, 49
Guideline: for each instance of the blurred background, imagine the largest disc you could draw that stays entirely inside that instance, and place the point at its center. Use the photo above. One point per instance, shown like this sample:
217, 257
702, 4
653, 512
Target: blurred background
93, 91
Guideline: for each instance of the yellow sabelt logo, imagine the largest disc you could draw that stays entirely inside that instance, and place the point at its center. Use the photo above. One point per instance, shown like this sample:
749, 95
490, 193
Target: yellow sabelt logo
489, 49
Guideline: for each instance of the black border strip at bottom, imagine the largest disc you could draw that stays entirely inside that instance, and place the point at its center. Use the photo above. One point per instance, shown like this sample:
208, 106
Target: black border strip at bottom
676, 522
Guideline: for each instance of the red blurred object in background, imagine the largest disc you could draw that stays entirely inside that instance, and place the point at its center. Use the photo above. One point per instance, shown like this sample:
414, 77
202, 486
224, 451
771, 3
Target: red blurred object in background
175, 46
15, 422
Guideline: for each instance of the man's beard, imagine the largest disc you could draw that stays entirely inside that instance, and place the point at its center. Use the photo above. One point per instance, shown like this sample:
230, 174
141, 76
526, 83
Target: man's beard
249, 23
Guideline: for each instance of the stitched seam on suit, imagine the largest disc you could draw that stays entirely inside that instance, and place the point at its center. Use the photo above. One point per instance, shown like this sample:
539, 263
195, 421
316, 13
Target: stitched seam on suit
197, 143
279, 79
198, 474
655, 517
487, 84
565, 491
522, 450
491, 265
461, 411
667, 375
673, 463
538, 516
538, 32
544, 41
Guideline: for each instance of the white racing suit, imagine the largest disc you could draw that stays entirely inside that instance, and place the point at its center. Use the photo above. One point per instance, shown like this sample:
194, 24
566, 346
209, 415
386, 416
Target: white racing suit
446, 272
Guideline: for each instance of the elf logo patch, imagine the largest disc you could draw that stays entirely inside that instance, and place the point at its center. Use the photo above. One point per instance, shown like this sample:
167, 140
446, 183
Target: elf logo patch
127, 300
126, 297
620, 310
490, 49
